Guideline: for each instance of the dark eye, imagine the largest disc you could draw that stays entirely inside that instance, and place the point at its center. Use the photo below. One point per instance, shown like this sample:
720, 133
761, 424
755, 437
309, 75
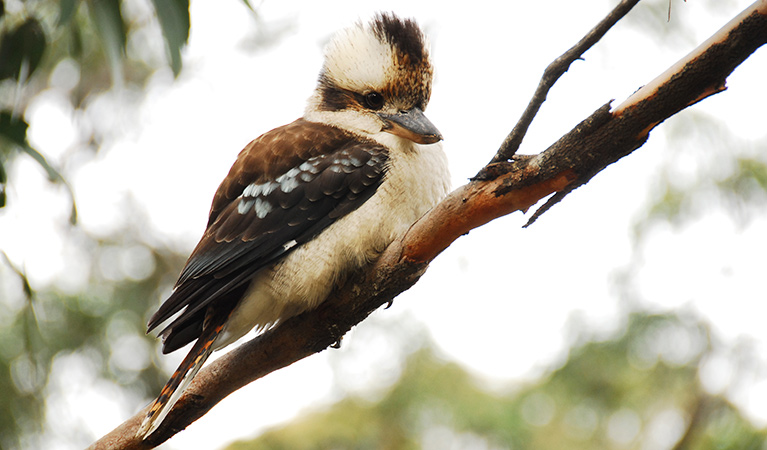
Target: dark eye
374, 100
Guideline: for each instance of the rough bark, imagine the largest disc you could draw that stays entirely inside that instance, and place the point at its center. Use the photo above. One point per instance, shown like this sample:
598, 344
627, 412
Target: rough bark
509, 183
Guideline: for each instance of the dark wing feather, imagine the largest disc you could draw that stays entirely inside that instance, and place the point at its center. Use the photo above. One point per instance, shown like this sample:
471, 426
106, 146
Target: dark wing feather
273, 199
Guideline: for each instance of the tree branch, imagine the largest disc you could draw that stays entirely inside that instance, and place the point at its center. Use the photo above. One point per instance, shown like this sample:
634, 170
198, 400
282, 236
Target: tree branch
499, 189
552, 73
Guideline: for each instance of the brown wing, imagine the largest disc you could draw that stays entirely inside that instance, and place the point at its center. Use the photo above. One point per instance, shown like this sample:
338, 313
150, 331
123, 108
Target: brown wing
285, 188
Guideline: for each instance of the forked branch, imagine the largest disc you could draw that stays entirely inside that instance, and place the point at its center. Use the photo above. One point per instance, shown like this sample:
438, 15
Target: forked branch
552, 73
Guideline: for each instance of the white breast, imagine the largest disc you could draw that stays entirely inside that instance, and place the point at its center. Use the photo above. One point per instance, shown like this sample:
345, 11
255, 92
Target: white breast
417, 179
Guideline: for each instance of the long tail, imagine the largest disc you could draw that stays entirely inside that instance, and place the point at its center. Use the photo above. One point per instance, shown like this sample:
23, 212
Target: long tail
180, 379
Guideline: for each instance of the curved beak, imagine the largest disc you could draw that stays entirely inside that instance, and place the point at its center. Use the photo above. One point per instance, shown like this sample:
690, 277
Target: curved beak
412, 125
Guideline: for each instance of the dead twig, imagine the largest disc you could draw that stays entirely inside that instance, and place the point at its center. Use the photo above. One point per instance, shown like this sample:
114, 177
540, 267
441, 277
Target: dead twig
556, 69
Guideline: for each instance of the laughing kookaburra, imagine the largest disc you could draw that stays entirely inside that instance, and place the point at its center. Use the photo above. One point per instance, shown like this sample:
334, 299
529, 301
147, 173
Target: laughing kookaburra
311, 201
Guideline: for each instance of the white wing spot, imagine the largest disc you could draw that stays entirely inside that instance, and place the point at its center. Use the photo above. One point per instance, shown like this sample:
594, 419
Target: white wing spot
244, 206
356, 162
263, 208
254, 190
288, 245
288, 185
288, 180
309, 166
306, 177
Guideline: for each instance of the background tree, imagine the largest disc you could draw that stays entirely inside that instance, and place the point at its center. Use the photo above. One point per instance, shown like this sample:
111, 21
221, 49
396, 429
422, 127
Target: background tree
647, 393
89, 56
82, 50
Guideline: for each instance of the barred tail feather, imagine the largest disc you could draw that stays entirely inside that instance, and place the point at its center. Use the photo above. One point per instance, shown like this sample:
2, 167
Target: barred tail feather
178, 382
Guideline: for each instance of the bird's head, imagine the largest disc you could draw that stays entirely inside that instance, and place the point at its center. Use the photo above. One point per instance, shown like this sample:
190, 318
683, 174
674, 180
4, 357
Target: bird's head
377, 78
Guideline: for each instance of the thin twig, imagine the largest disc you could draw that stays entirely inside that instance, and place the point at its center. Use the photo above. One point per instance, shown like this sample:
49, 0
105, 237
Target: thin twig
552, 73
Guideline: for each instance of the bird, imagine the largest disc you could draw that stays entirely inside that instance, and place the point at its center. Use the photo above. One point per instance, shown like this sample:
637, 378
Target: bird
310, 202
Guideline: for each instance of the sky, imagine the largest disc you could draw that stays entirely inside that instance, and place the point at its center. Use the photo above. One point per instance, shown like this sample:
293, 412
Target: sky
501, 290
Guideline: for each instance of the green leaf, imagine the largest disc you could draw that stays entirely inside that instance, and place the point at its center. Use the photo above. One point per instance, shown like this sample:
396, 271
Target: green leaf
53, 174
67, 10
21, 50
14, 129
108, 21
10, 57
3, 179
174, 21
56, 177
13, 132
76, 42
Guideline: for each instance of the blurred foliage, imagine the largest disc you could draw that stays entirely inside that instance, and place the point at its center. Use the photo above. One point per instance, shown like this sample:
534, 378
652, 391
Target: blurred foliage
81, 342
101, 329
740, 192
36, 36
638, 390
46, 328
710, 167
